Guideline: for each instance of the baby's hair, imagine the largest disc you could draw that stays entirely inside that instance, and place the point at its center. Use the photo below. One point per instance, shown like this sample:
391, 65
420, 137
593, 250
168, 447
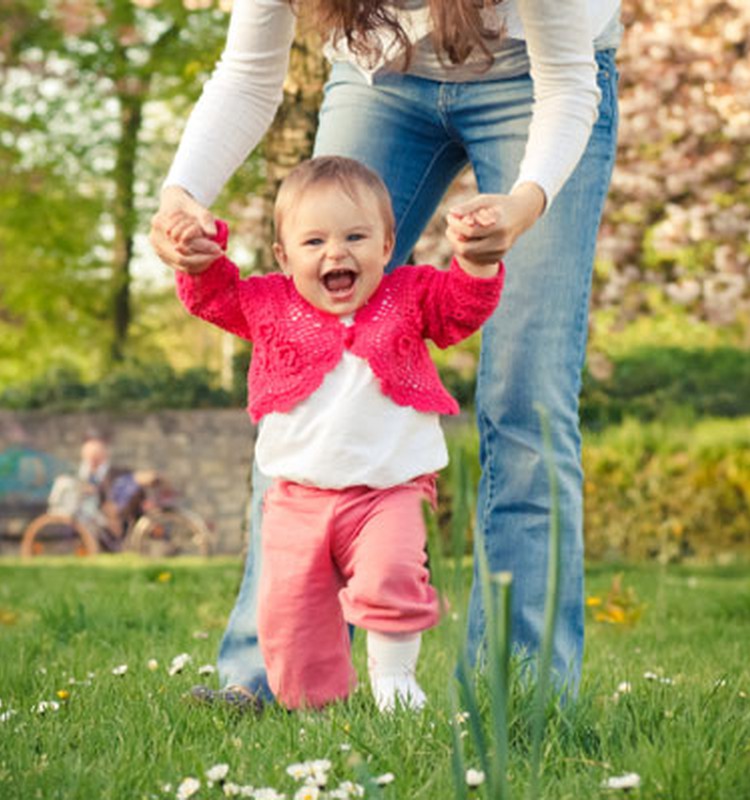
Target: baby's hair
351, 176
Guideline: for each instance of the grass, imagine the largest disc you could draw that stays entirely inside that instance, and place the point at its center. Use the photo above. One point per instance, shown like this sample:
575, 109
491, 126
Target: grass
683, 725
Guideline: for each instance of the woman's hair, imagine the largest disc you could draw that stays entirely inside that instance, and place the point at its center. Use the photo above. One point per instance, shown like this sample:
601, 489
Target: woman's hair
351, 176
457, 28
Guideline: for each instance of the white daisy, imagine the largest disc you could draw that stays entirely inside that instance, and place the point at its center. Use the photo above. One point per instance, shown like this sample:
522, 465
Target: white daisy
385, 779
631, 780
188, 788
121, 670
47, 705
179, 663
266, 793
353, 789
217, 773
474, 778
309, 792
298, 771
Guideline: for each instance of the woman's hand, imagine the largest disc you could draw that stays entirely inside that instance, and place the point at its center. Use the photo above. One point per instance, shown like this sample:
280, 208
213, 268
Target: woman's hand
182, 245
483, 229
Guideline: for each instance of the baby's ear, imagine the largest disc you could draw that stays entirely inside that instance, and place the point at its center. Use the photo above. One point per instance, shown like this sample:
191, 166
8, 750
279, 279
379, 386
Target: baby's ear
280, 256
389, 244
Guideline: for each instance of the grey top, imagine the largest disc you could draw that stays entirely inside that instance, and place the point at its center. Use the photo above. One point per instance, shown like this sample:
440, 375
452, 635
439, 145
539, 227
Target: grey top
509, 56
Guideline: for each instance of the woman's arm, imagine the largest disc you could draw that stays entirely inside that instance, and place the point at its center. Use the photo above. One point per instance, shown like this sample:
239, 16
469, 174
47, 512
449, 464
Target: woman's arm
566, 96
238, 102
232, 114
561, 51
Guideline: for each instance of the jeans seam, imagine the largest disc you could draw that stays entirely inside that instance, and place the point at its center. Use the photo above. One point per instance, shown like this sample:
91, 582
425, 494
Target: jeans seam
420, 184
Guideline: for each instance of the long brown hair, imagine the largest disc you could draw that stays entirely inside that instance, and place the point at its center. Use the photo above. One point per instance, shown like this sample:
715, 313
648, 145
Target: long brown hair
456, 26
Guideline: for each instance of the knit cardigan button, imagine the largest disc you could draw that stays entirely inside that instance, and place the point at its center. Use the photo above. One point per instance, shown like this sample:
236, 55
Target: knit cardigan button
348, 337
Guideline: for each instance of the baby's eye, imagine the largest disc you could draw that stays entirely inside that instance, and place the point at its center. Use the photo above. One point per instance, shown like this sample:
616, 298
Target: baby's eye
356, 237
313, 241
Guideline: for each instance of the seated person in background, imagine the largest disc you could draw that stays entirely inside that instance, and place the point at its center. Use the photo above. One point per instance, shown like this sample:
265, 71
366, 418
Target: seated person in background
106, 499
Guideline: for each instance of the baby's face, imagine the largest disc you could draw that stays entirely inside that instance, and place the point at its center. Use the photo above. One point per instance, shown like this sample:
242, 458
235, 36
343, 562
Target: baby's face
335, 248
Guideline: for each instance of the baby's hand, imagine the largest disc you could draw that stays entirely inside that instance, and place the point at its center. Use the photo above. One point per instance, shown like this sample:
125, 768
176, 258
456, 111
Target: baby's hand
182, 228
182, 250
481, 218
463, 230
483, 229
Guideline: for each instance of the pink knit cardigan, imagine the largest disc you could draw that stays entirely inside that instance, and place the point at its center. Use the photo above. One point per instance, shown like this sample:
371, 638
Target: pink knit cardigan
295, 344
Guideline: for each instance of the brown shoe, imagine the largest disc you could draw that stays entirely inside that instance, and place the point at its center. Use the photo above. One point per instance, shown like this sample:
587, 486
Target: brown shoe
237, 698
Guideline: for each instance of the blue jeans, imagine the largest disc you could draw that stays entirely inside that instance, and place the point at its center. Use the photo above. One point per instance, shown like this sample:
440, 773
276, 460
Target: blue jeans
418, 135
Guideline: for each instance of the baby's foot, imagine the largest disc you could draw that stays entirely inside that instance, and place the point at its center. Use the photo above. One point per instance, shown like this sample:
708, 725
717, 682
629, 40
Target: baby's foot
390, 692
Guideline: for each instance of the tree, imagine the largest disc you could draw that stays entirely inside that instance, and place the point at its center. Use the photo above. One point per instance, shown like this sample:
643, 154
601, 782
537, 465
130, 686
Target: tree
79, 77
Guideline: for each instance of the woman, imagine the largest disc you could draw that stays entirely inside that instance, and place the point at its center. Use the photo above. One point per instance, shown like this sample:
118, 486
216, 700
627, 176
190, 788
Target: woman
417, 90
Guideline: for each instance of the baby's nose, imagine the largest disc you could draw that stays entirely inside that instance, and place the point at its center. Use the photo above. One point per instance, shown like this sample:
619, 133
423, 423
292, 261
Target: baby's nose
336, 249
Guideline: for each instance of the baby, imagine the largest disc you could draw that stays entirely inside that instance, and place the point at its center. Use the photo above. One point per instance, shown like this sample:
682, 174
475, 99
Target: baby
349, 399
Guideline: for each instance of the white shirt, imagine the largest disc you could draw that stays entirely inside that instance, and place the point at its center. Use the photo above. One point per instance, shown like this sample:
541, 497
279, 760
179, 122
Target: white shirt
348, 433
239, 101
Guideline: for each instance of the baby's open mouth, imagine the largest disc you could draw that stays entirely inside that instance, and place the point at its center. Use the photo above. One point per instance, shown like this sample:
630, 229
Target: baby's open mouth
339, 280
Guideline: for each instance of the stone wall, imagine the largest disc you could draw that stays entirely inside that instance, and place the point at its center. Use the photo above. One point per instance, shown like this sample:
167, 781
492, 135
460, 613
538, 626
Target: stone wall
206, 455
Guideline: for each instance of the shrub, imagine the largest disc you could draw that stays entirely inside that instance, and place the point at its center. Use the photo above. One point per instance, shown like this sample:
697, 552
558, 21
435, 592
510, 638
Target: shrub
652, 382
661, 491
135, 385
668, 492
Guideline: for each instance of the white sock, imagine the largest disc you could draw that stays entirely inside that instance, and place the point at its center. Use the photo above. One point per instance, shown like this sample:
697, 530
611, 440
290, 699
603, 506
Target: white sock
391, 663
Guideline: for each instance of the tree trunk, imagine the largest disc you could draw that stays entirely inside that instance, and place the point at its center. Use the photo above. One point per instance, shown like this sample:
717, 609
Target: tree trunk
291, 136
131, 95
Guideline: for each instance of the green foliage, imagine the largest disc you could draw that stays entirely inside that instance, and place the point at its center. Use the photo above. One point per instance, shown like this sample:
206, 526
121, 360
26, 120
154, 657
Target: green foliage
131, 386
86, 88
664, 490
651, 382
668, 491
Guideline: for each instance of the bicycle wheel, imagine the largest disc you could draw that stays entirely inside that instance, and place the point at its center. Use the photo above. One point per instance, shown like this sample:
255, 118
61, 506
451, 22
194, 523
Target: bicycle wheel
171, 533
57, 535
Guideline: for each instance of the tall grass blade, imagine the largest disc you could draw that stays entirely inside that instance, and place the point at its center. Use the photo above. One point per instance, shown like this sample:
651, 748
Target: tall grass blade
550, 612
500, 621
461, 519
458, 763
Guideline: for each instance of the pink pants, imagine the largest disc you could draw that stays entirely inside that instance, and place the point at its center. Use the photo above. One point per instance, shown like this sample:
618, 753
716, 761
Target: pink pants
330, 557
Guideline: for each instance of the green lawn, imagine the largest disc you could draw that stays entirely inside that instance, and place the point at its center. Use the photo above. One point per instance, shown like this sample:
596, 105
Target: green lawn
682, 722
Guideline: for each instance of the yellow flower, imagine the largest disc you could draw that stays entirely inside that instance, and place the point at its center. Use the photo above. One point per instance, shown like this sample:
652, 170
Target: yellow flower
164, 577
8, 616
63, 694
620, 607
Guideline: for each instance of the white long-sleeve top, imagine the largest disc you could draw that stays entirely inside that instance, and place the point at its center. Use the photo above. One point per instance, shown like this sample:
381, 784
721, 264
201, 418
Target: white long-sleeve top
240, 99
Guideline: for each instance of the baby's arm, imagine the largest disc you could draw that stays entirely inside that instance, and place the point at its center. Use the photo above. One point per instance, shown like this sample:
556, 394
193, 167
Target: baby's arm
454, 303
217, 294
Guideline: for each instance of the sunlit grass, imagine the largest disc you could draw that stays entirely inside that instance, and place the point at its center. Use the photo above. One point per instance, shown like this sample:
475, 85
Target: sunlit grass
682, 723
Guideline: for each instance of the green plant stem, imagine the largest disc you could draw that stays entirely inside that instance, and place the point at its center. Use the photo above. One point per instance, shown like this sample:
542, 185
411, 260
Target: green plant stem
550, 612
